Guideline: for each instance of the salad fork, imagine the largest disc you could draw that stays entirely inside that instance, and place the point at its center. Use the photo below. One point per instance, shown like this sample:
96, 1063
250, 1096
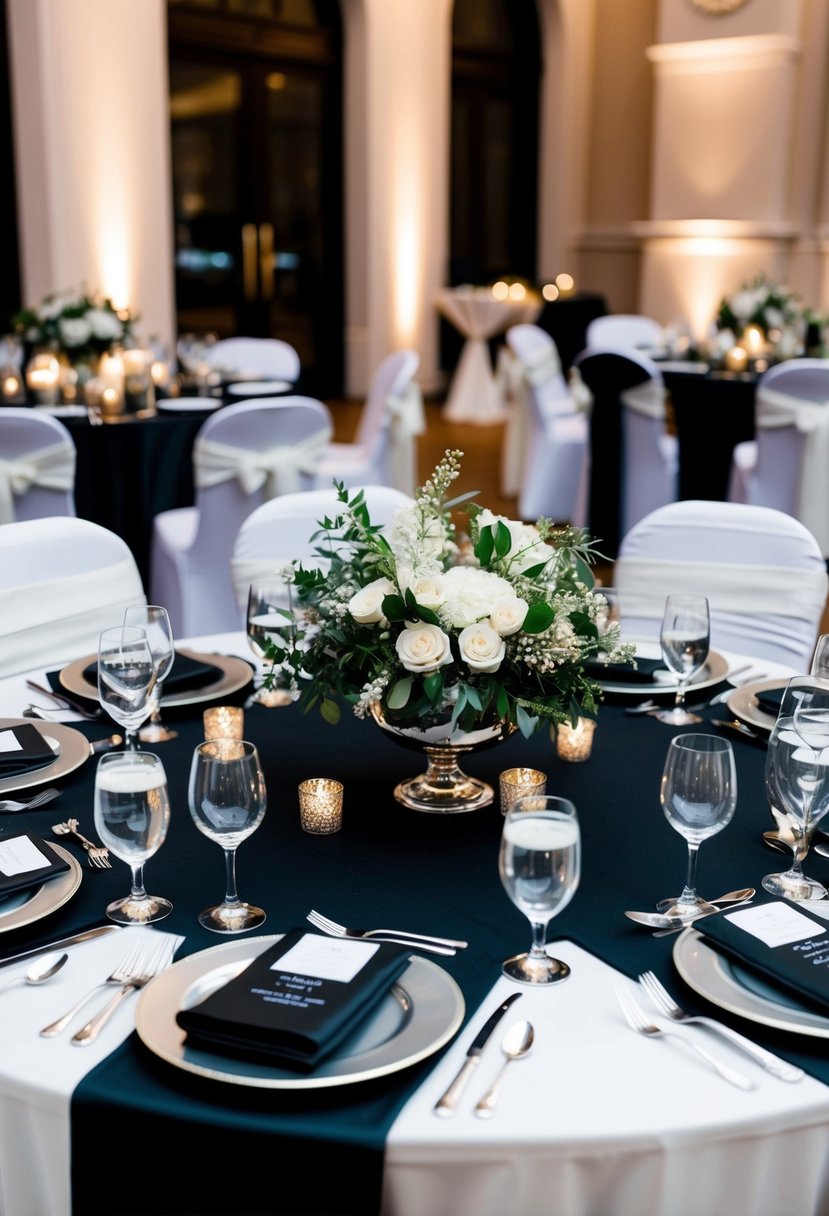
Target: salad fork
123, 968
666, 1005
9, 804
638, 1021
337, 930
138, 978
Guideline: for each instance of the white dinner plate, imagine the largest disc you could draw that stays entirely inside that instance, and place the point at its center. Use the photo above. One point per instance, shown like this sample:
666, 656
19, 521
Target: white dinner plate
235, 674
25, 907
186, 405
729, 986
258, 388
421, 1012
71, 748
714, 670
743, 703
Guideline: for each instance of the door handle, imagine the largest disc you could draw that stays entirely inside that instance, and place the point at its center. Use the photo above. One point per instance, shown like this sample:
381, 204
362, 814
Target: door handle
249, 276
266, 260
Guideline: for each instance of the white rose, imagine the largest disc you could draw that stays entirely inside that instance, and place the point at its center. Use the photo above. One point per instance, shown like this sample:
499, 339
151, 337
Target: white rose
104, 325
74, 331
366, 606
423, 648
481, 647
508, 616
427, 590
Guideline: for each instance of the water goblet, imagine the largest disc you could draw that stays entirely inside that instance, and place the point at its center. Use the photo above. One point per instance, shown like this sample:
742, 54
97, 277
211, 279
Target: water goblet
126, 678
227, 800
820, 659
685, 641
698, 795
155, 622
539, 863
270, 624
132, 814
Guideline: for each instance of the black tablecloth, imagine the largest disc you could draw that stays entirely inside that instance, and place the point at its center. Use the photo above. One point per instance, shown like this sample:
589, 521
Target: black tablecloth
712, 414
222, 1149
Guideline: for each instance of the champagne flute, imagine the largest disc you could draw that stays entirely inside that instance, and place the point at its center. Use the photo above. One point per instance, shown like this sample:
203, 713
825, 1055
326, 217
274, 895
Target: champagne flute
270, 620
540, 865
698, 795
155, 622
227, 800
126, 678
132, 814
685, 641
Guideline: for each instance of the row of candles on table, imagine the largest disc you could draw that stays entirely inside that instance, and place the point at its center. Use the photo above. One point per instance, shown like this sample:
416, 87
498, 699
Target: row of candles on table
124, 382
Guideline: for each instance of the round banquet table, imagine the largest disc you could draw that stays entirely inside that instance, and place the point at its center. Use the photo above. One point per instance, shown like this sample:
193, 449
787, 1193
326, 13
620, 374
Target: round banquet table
596, 1121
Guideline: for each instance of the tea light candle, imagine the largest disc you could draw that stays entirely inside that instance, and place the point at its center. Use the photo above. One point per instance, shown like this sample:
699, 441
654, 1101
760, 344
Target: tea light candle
320, 806
753, 340
224, 722
12, 387
111, 403
518, 783
575, 742
736, 359
43, 378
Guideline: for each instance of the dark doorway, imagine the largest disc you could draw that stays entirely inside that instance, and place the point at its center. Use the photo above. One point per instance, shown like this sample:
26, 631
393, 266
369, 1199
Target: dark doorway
10, 301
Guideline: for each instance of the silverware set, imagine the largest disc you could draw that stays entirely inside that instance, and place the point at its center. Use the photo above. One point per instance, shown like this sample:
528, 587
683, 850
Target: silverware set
29, 804
97, 855
401, 937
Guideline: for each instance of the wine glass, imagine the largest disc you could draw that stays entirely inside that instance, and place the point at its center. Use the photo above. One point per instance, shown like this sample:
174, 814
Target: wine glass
227, 799
270, 619
126, 678
698, 795
540, 865
797, 780
820, 659
155, 622
132, 814
685, 641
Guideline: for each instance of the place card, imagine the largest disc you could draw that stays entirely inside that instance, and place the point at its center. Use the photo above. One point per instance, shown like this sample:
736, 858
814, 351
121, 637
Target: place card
27, 861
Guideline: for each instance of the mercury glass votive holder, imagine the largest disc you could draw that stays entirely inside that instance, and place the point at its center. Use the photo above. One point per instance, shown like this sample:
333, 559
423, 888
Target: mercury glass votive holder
519, 783
224, 722
320, 805
575, 743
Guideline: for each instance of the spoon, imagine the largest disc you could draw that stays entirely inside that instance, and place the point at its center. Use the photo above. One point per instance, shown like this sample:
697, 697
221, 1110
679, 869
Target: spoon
40, 971
663, 920
783, 842
516, 1043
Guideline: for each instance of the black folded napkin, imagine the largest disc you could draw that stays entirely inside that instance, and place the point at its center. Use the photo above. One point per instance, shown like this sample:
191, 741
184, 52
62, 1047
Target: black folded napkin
793, 952
296, 1002
23, 748
770, 699
185, 674
624, 673
27, 861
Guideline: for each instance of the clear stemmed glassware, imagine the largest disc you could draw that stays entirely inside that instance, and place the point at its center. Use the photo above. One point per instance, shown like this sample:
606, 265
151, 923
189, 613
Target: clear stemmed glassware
132, 814
820, 659
540, 866
270, 619
227, 801
685, 641
797, 779
698, 794
126, 678
155, 622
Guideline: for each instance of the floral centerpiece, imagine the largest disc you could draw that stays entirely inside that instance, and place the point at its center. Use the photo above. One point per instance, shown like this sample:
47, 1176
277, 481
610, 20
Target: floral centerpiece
762, 303
78, 325
432, 634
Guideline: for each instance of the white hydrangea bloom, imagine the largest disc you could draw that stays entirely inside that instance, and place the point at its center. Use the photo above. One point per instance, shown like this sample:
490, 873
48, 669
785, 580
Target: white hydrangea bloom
470, 595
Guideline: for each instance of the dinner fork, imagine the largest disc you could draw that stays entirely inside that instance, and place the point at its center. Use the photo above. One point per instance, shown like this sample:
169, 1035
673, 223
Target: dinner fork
666, 1005
9, 804
638, 1021
440, 944
127, 965
97, 854
139, 977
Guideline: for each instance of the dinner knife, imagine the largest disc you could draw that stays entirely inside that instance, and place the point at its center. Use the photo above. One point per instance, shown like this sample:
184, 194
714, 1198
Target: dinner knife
74, 940
447, 1104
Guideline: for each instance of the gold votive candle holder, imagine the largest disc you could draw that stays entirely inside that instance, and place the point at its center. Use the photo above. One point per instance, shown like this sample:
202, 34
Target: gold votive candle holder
575, 743
519, 783
320, 805
224, 722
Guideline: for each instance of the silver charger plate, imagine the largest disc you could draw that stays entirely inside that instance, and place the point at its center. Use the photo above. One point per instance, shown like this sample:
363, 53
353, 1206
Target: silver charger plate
714, 670
25, 907
421, 1012
70, 746
729, 986
743, 703
235, 674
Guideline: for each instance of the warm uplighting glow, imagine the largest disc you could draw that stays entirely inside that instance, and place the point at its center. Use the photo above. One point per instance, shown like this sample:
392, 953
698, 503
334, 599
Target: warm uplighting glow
549, 291
565, 282
500, 290
517, 291
276, 81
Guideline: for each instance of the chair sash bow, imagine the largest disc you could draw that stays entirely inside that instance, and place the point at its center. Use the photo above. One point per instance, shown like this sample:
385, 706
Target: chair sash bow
277, 470
52, 468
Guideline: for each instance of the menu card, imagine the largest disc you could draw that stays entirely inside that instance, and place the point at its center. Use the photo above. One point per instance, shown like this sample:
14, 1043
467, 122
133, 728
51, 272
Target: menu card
23, 748
296, 1002
185, 674
27, 861
781, 942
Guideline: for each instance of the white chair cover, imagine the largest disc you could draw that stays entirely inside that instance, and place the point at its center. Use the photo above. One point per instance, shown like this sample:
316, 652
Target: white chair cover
275, 471
270, 358
761, 570
407, 420
51, 467
62, 580
625, 331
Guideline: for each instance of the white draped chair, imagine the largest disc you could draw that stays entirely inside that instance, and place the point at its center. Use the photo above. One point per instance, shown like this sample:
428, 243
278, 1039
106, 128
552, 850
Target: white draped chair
255, 358
787, 465
762, 571
62, 581
280, 531
384, 447
37, 465
625, 331
243, 455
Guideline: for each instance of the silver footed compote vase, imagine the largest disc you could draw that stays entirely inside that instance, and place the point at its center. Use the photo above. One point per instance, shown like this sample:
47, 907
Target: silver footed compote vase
444, 788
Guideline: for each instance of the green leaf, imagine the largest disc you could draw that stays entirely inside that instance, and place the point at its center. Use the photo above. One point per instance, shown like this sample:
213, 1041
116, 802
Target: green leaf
533, 571
473, 696
485, 546
503, 539
427, 615
584, 573
433, 686
539, 617
330, 711
527, 723
394, 608
400, 693
502, 704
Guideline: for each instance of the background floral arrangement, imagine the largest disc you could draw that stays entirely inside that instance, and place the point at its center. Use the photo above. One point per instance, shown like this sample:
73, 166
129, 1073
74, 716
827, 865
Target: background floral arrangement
413, 620
73, 323
762, 303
